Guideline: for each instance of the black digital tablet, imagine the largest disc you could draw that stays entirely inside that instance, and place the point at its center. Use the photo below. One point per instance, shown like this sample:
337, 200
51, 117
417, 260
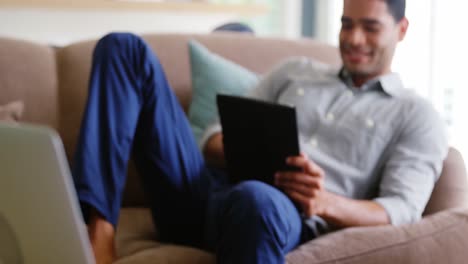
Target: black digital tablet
258, 136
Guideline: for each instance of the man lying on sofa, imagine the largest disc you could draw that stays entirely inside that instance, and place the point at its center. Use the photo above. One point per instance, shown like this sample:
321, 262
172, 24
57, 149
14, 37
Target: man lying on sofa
371, 149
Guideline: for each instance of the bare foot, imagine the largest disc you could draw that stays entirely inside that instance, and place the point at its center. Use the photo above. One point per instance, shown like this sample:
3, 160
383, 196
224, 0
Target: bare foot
101, 234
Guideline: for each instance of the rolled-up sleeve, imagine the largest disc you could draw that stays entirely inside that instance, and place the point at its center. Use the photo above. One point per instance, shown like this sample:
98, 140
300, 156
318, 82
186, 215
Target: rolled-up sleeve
414, 164
209, 132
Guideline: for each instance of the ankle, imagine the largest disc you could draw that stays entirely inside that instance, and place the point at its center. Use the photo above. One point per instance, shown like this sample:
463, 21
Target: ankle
101, 235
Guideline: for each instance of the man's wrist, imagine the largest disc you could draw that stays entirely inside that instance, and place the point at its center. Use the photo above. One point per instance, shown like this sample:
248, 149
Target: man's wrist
326, 205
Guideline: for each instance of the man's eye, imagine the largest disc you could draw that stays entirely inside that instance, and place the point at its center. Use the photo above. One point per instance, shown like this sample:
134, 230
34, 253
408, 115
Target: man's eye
346, 26
371, 29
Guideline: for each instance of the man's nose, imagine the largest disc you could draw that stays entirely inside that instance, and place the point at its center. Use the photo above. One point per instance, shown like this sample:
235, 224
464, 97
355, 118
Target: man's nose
356, 37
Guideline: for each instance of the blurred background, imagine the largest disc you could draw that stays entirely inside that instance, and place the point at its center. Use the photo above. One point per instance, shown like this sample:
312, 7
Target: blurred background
431, 60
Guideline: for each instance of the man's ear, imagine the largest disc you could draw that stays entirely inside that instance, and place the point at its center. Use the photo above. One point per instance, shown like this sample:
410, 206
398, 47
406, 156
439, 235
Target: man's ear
403, 27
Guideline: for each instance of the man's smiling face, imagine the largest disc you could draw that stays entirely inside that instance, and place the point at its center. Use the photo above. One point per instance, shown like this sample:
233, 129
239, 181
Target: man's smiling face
368, 37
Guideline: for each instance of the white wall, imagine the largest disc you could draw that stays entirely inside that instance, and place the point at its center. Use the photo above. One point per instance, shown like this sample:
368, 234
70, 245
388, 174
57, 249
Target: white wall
61, 27
292, 20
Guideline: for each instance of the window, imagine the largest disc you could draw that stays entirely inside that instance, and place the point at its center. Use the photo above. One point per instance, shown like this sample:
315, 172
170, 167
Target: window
449, 63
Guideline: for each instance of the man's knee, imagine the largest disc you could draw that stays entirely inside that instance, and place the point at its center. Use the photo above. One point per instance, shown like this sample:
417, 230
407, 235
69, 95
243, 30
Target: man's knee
262, 210
118, 41
260, 203
256, 197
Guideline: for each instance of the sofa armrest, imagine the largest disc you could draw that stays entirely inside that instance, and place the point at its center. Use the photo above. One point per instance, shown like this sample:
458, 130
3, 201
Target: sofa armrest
439, 238
451, 190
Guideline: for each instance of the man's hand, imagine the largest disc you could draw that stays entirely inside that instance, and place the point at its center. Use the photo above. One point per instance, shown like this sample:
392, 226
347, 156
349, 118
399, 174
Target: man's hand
214, 150
305, 187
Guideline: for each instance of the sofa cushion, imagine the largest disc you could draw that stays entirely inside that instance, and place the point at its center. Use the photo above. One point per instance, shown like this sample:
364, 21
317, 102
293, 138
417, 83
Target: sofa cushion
439, 238
11, 111
212, 74
169, 254
136, 242
135, 231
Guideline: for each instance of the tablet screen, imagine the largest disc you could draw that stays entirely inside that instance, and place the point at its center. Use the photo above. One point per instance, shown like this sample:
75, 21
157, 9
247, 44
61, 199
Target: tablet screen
258, 136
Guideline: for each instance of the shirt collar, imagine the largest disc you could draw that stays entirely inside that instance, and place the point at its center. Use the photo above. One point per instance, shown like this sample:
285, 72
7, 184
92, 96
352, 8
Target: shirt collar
390, 83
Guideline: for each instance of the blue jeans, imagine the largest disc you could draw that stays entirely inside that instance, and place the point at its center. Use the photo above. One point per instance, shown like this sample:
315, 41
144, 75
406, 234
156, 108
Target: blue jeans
131, 109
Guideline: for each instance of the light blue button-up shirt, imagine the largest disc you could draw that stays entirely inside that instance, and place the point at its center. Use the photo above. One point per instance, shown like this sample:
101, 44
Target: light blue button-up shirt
377, 142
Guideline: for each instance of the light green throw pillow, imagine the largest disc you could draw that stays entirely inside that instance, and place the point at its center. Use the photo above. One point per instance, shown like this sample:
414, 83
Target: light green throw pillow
213, 74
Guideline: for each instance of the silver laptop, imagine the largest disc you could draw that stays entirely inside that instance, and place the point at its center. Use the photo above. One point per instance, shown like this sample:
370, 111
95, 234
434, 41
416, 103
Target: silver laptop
40, 219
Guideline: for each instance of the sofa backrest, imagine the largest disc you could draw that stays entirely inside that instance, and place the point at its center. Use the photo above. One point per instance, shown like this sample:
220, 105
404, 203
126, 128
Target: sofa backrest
52, 82
28, 73
254, 53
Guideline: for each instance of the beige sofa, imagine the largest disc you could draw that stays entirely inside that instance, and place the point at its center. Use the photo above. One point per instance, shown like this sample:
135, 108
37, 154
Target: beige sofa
52, 82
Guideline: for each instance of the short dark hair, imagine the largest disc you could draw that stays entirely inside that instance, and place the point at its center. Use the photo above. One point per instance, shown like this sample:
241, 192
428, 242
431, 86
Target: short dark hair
235, 26
396, 8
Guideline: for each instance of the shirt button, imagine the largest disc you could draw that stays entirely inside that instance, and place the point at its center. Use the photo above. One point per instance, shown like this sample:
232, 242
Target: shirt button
330, 117
313, 142
300, 92
370, 123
